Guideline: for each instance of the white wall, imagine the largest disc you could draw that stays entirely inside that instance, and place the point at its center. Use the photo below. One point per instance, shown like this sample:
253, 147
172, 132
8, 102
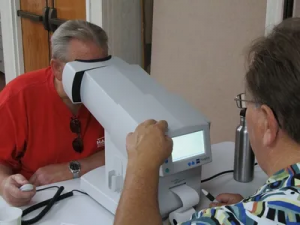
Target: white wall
11, 37
122, 21
198, 52
274, 14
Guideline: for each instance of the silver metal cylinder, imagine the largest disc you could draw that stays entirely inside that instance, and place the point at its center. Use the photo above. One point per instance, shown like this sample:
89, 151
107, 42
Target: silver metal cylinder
244, 157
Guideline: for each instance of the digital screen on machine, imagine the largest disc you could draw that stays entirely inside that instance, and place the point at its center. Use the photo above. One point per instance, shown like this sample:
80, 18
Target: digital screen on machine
188, 145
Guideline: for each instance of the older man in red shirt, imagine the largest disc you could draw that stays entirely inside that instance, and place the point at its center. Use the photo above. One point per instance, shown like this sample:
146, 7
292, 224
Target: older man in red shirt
44, 138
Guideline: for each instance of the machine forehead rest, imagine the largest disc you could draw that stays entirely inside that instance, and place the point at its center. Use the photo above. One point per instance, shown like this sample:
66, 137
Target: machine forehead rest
79, 75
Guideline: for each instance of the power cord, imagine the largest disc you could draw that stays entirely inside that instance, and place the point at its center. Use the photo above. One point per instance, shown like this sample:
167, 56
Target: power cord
216, 175
219, 174
82, 192
47, 204
51, 187
43, 189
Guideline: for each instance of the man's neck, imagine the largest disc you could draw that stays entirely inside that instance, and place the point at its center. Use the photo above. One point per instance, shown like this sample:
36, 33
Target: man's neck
285, 154
74, 108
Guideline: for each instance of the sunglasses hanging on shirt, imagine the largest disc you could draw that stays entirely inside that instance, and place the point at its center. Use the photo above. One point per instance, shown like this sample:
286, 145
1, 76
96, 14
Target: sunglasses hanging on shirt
75, 127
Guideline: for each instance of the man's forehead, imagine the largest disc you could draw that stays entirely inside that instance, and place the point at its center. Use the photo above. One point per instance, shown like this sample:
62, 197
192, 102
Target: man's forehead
85, 50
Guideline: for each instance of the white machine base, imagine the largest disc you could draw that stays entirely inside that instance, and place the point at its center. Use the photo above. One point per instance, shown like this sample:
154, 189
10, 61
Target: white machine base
94, 184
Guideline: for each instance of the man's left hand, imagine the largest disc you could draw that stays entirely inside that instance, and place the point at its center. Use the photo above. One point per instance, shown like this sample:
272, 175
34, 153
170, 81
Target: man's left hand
226, 199
51, 174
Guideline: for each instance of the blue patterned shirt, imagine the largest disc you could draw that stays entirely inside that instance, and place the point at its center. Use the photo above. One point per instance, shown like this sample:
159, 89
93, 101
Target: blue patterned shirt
277, 202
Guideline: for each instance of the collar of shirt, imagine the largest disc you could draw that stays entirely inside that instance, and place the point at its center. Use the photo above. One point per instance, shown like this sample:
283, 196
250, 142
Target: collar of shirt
284, 178
286, 173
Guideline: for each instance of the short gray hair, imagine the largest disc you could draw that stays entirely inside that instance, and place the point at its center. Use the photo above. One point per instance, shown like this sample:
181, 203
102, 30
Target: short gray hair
273, 77
76, 29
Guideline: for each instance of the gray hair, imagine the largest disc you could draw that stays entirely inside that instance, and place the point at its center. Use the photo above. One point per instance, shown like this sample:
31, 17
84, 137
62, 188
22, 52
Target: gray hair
273, 77
76, 29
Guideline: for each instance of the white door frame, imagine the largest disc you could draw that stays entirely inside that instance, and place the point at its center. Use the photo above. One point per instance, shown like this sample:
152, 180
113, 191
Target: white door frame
12, 34
12, 39
274, 14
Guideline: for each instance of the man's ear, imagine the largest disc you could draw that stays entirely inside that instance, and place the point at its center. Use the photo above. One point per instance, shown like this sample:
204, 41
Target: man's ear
57, 68
270, 126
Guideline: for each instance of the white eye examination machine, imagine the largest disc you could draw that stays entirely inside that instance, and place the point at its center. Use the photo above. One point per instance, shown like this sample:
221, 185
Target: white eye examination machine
121, 96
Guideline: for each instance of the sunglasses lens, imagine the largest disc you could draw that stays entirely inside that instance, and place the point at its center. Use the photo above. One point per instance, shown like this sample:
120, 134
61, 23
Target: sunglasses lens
78, 145
75, 126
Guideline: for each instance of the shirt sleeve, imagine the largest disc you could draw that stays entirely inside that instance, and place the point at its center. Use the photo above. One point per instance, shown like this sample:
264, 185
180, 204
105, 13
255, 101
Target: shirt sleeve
224, 215
10, 153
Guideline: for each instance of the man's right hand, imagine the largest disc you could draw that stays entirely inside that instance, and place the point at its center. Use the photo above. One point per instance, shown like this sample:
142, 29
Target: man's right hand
10, 191
149, 146
227, 199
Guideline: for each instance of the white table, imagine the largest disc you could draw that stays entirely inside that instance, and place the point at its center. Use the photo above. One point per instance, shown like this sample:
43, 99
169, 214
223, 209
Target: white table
76, 210
82, 210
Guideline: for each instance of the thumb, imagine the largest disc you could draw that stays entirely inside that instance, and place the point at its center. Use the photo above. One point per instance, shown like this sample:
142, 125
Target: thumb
19, 179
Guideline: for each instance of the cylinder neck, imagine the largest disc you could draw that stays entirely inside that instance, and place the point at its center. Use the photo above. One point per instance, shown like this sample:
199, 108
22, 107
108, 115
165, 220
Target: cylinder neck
242, 120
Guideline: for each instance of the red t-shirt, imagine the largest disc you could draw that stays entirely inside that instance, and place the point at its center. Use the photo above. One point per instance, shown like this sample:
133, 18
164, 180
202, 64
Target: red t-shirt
35, 125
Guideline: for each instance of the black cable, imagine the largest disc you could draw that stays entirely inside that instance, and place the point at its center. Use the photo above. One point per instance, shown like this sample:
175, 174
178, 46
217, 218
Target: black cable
47, 204
43, 189
51, 187
45, 210
80, 192
216, 175
219, 174
44, 203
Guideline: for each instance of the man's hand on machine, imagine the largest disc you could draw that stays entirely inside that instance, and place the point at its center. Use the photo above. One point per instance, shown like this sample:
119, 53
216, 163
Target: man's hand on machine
10, 191
149, 146
226, 199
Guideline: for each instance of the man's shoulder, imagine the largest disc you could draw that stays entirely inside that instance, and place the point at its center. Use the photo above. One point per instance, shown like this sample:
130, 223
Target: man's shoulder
24, 84
30, 79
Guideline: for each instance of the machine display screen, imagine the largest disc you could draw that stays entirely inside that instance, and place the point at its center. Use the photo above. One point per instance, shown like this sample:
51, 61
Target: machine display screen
188, 145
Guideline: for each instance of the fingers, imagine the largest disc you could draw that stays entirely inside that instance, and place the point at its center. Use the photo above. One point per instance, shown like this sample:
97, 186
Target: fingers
170, 142
226, 199
21, 195
163, 125
15, 191
12, 193
223, 197
129, 136
229, 198
129, 139
33, 180
17, 202
19, 179
145, 124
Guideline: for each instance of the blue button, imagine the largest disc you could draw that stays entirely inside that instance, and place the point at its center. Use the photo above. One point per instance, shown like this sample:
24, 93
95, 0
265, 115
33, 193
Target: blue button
193, 163
167, 170
189, 164
166, 161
